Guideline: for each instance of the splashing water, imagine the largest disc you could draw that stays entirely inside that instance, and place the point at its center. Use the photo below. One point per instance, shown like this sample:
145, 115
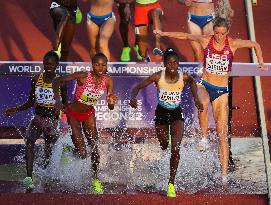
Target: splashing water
66, 171
129, 168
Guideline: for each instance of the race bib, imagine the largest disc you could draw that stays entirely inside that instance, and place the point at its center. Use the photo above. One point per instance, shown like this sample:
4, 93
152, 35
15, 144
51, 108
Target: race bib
170, 97
44, 96
89, 98
217, 66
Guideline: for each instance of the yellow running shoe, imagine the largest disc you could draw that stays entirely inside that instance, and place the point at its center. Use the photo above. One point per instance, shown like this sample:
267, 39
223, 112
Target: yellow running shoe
67, 148
78, 16
66, 159
138, 56
97, 186
28, 183
125, 54
171, 190
58, 51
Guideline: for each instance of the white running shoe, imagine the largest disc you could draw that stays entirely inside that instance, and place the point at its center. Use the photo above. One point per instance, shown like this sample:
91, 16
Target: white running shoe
203, 144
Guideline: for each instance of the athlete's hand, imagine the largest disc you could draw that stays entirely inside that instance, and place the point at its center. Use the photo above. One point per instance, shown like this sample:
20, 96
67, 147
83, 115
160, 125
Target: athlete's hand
11, 111
187, 2
199, 105
133, 103
262, 67
111, 99
158, 32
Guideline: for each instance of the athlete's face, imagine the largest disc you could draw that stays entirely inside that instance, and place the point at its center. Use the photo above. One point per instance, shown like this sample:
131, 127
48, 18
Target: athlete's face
99, 66
50, 64
171, 64
220, 33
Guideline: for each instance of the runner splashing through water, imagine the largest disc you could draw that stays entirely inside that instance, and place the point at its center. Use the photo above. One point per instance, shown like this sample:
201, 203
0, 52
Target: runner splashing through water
218, 50
81, 113
45, 120
170, 83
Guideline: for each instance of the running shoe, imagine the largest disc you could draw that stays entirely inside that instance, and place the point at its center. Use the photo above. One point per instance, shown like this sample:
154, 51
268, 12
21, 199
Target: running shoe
203, 144
157, 51
171, 190
138, 56
97, 186
28, 183
65, 158
67, 148
78, 16
125, 54
58, 51
147, 59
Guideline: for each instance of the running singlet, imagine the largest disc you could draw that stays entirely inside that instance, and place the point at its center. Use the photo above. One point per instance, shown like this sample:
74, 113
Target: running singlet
146, 1
90, 92
217, 62
44, 93
169, 94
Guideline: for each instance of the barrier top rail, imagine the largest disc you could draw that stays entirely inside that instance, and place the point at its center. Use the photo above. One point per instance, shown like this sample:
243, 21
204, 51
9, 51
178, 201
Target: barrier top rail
120, 68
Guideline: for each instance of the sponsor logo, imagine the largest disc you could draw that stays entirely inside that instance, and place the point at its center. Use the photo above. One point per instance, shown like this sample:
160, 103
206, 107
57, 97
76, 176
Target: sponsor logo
209, 19
220, 91
54, 5
105, 19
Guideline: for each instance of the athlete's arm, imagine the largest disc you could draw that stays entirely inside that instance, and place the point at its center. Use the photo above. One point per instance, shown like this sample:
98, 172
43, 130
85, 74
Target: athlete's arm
239, 43
110, 98
193, 87
154, 78
182, 36
30, 101
79, 76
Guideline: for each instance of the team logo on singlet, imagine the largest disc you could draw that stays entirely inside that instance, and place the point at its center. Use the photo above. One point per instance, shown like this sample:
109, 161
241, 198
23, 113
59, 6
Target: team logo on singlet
217, 63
